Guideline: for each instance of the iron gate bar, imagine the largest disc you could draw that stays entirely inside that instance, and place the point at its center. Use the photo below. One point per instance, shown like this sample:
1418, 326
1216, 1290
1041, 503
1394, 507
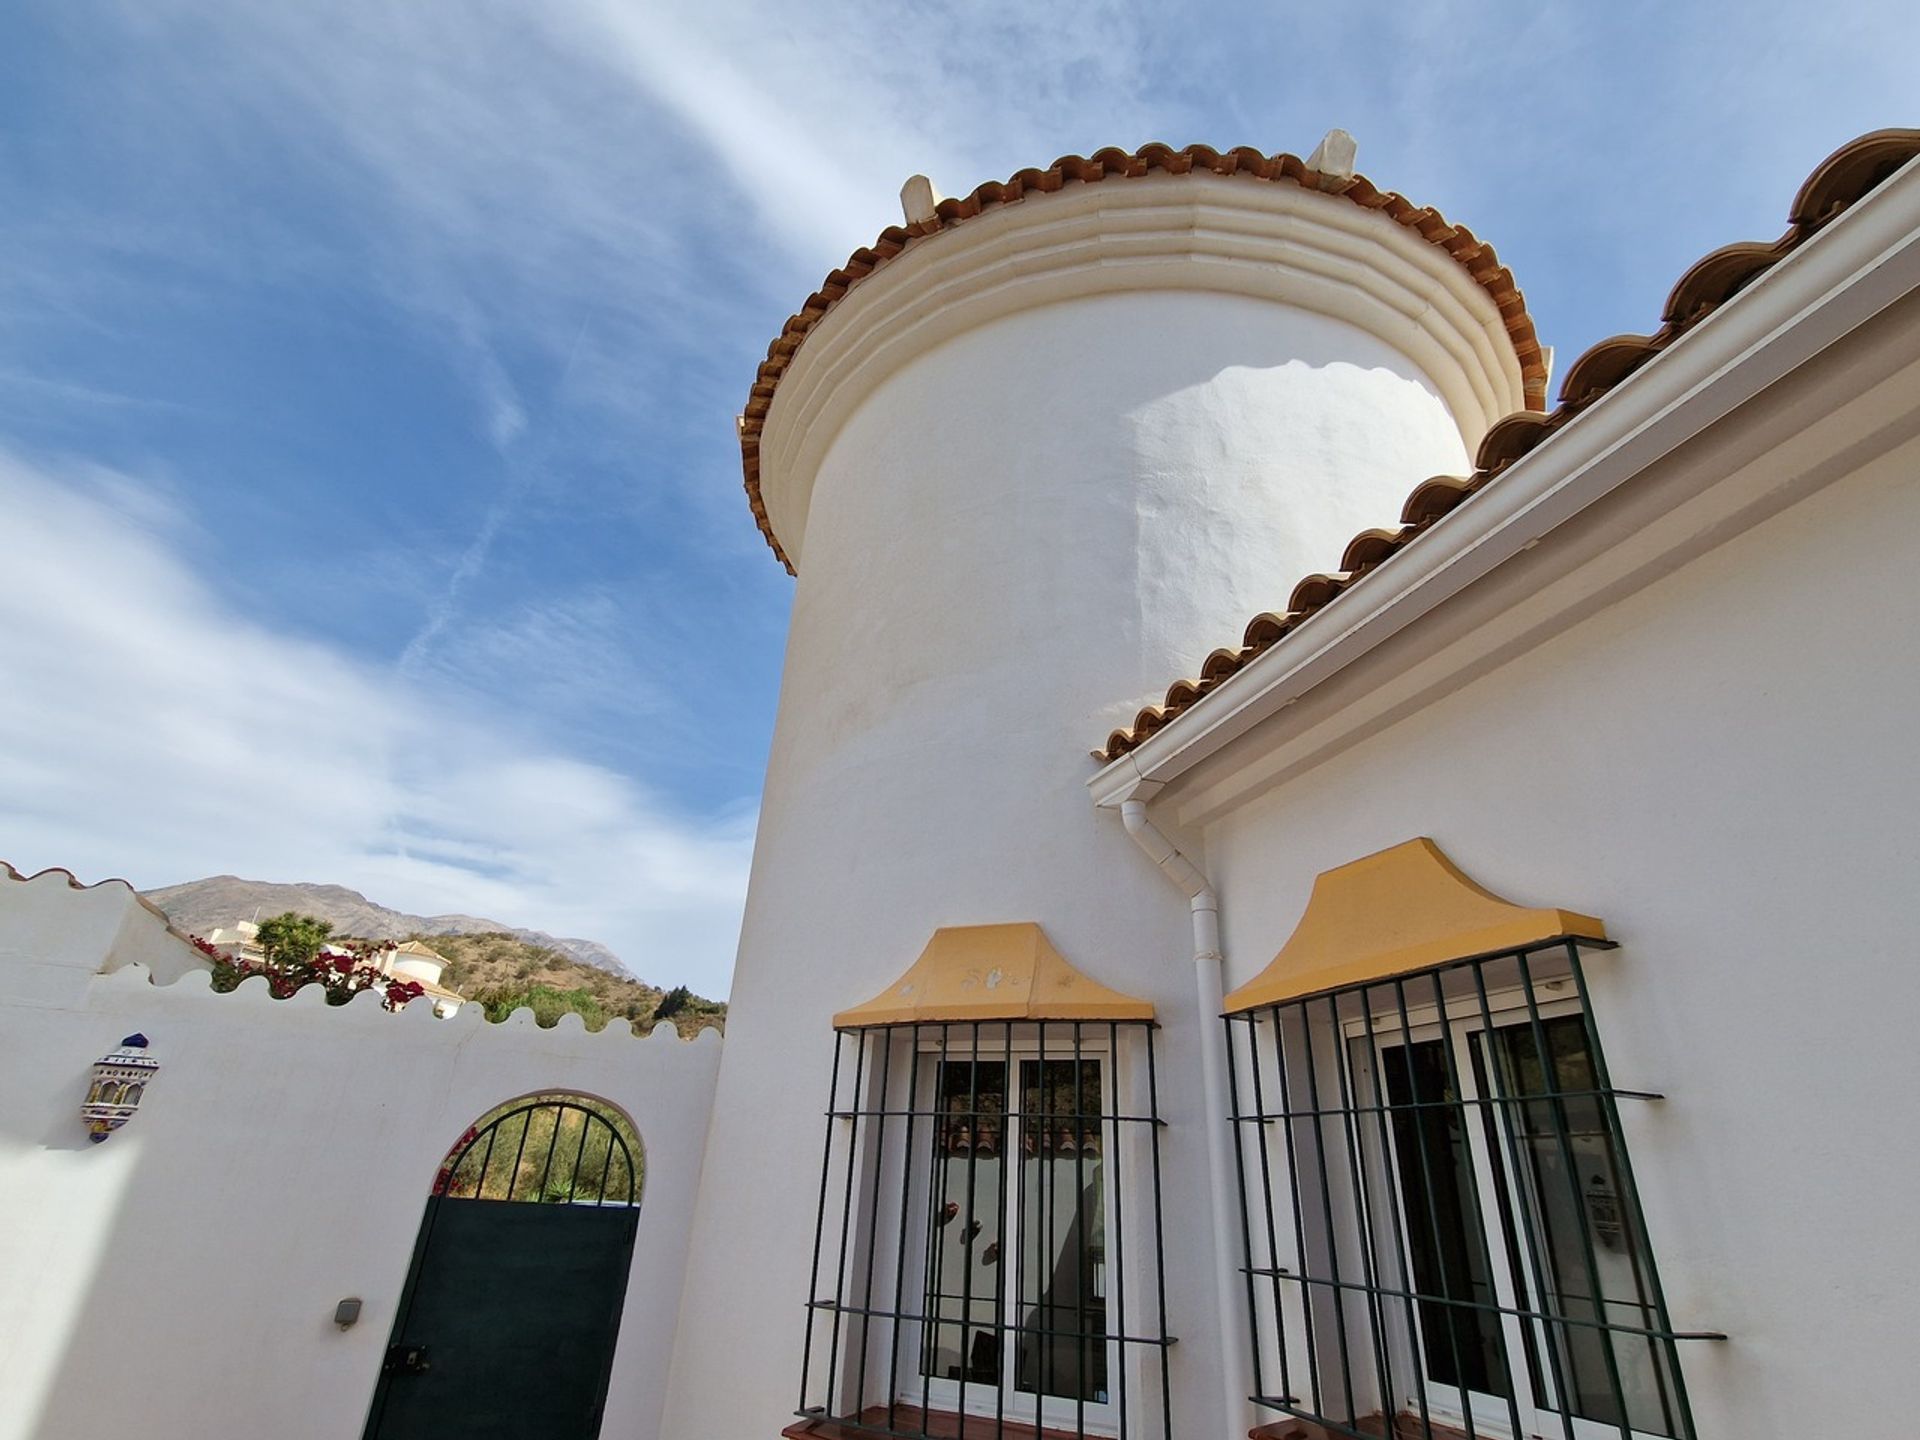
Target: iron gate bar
1388, 1390
580, 1155
1492, 1307
493, 1130
1000, 1199
1472, 1102
873, 1219
1079, 1204
553, 1144
1116, 1183
1019, 1246
1012, 1327
1299, 1223
1326, 1206
1556, 1111
1364, 1195
1049, 1190
820, 1222
1479, 1228
452, 1168
519, 1154
966, 1271
934, 1261
1090, 1117
1536, 1263
1246, 1226
606, 1169
906, 1196
1390, 1396
1629, 1187
1266, 1181
1159, 1242
846, 1220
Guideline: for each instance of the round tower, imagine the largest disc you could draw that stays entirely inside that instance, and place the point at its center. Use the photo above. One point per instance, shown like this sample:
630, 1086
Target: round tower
1032, 458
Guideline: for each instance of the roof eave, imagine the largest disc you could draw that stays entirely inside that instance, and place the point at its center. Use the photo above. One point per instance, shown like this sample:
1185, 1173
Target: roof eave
1867, 259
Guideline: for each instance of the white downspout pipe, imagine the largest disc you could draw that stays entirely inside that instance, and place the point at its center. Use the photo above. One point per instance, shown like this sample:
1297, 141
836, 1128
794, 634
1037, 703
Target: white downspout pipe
1222, 1174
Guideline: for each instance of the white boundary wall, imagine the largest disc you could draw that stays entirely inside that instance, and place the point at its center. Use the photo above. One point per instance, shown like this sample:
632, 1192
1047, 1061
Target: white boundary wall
179, 1279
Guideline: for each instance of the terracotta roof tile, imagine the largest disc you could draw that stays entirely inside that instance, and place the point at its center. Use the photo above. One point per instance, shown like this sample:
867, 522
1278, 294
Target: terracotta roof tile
1314, 591
1842, 179
1509, 438
1431, 499
1605, 365
1716, 278
1218, 667
1370, 547
1468, 250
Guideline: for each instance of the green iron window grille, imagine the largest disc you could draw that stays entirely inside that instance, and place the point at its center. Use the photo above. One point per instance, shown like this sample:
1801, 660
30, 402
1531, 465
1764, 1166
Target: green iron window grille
988, 1246
1441, 1227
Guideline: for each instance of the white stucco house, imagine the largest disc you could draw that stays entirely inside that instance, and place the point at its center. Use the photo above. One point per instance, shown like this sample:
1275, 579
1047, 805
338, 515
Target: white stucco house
420, 963
1311, 883
238, 941
1527, 782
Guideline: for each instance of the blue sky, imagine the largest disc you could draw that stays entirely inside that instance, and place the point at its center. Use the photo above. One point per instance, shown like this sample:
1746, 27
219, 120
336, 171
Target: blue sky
369, 497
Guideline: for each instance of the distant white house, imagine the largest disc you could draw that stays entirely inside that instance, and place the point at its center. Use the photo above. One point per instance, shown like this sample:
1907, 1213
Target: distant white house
238, 941
409, 960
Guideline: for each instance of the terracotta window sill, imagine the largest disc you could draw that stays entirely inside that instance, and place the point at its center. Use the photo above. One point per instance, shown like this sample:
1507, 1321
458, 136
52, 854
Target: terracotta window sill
911, 1420
1405, 1427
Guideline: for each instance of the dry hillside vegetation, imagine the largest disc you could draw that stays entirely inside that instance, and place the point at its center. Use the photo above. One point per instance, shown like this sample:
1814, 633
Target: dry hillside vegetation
504, 972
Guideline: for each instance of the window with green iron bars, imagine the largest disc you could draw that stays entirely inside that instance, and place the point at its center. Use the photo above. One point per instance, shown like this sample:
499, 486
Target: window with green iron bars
1441, 1228
987, 1256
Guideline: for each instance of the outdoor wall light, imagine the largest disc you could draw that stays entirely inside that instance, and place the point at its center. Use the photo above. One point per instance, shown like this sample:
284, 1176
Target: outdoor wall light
346, 1312
120, 1079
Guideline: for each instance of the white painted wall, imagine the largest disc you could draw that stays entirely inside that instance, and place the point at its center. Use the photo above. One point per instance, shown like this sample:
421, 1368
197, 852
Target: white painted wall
178, 1280
1720, 765
1013, 540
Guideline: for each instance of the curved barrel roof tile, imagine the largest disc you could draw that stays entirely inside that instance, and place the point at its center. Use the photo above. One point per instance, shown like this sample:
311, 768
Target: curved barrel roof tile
1473, 254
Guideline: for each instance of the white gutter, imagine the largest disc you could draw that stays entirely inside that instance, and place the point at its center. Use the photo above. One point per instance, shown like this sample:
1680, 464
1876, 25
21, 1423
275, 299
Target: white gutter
1861, 263
1222, 1174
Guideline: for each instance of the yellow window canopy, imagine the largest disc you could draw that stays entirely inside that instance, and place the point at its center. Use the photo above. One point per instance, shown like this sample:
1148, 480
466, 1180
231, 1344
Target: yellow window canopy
1401, 910
992, 972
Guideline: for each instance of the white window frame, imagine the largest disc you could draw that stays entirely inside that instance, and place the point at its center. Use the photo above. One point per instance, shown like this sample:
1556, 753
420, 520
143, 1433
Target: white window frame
1006, 1399
1506, 1007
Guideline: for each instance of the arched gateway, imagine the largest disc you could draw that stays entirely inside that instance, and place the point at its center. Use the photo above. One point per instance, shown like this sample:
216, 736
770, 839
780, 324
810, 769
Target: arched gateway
511, 1310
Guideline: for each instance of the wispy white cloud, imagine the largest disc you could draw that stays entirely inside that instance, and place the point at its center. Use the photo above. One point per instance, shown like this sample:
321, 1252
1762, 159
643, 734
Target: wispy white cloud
815, 115
516, 177
629, 195
152, 731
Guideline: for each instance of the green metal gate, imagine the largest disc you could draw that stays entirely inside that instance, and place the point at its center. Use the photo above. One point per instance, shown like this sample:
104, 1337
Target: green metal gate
507, 1324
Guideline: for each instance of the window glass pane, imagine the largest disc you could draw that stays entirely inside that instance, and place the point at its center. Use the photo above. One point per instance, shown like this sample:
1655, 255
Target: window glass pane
1061, 1265
1446, 1245
1595, 1266
963, 1262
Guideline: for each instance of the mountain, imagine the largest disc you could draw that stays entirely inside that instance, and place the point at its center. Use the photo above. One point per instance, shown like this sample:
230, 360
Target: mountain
200, 905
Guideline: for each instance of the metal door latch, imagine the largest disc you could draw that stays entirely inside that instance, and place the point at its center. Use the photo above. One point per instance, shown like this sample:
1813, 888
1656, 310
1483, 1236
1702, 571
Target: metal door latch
406, 1360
